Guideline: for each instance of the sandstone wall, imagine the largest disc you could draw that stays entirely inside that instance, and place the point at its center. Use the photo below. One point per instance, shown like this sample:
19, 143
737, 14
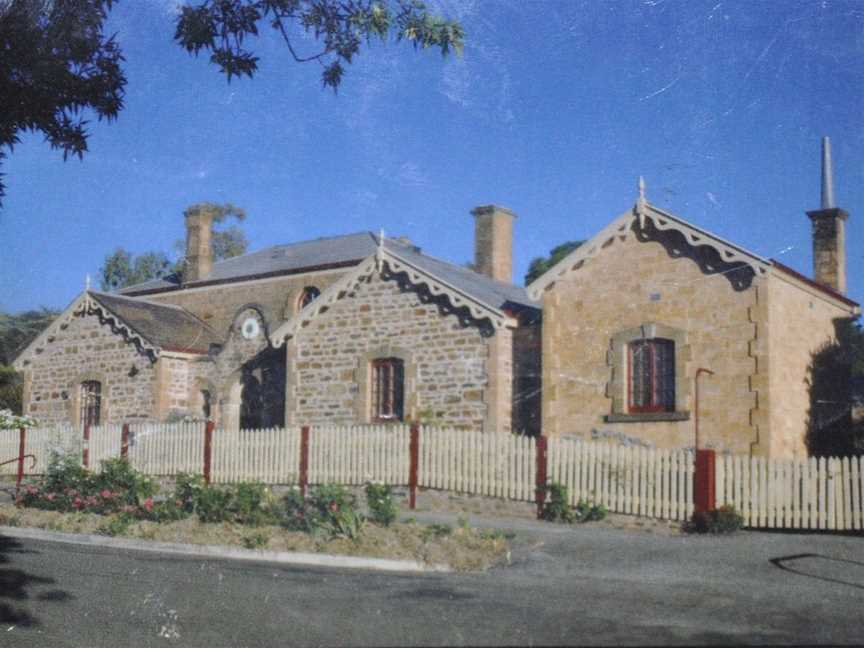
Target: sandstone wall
445, 363
86, 350
218, 305
628, 284
801, 322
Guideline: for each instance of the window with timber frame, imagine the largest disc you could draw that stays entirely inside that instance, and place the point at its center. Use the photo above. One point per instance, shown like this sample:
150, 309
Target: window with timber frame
651, 376
648, 381
388, 390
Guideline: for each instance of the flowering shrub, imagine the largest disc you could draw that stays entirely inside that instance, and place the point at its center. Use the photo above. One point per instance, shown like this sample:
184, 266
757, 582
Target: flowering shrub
379, 500
69, 487
10, 421
330, 510
558, 509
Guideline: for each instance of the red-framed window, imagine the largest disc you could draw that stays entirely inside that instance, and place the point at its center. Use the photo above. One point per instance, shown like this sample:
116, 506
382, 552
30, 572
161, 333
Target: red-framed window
388, 389
309, 294
91, 403
651, 375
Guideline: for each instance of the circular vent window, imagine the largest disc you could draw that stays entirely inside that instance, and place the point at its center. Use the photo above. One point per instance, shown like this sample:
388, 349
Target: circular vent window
250, 328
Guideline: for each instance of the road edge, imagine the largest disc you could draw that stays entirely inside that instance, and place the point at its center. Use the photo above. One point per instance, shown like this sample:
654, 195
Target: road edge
225, 552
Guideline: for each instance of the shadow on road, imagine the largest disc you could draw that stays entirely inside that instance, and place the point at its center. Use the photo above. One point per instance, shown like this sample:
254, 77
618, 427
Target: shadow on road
16, 583
821, 567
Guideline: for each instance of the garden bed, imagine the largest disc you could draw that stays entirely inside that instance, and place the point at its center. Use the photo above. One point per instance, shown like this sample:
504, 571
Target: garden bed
120, 501
459, 548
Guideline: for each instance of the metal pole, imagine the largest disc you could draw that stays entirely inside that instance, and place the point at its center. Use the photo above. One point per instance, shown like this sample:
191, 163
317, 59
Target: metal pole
699, 371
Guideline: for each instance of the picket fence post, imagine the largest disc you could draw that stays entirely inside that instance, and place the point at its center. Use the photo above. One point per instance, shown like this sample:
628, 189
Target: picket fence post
540, 474
704, 493
21, 445
208, 450
414, 452
304, 459
124, 441
85, 459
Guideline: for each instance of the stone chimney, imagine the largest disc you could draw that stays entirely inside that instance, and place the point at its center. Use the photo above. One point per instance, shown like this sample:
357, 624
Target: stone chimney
829, 231
199, 254
493, 242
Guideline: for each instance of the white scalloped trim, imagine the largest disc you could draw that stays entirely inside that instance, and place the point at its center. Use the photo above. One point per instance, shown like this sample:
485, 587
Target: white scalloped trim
86, 305
620, 228
374, 264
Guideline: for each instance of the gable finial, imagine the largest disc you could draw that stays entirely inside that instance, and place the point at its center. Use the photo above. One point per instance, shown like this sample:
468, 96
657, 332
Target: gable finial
87, 282
827, 175
641, 203
379, 253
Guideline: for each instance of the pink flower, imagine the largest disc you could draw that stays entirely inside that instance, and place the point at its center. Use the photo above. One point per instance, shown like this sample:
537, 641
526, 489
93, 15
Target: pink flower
106, 494
148, 504
334, 506
50, 497
77, 503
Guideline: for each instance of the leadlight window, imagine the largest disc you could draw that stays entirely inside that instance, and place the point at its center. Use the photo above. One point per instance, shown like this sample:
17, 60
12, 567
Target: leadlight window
651, 373
309, 294
388, 389
91, 403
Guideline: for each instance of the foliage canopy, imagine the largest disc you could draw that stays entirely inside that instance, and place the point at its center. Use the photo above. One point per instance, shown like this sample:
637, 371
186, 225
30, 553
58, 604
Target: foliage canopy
539, 265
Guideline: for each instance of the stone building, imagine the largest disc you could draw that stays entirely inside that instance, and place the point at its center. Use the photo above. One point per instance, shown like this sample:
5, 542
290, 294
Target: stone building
652, 306
651, 330
356, 328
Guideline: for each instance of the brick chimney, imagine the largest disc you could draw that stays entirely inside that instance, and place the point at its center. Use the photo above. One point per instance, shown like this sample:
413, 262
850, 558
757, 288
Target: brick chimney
199, 254
829, 231
493, 242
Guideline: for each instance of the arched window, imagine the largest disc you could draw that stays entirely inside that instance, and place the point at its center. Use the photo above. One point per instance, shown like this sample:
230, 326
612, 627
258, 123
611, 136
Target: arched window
388, 389
309, 294
90, 400
651, 369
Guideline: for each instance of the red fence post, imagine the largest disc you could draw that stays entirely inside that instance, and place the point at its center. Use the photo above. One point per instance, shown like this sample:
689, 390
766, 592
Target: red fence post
208, 449
304, 459
414, 452
21, 443
540, 492
85, 457
124, 441
704, 482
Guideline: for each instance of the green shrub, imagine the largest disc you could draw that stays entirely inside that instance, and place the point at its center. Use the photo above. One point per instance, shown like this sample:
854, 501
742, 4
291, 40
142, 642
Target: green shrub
333, 510
187, 488
251, 504
118, 476
436, 531
723, 520
292, 511
213, 504
586, 511
117, 524
379, 500
64, 473
255, 540
557, 507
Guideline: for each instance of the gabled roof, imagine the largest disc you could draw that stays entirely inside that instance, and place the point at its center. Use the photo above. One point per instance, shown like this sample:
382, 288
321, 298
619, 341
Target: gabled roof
152, 328
168, 327
729, 253
334, 251
479, 296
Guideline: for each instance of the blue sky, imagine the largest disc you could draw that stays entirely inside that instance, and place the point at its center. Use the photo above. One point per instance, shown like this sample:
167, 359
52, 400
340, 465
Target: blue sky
554, 110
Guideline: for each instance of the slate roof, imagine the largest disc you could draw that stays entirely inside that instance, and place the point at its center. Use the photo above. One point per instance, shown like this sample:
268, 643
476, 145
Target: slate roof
346, 251
168, 327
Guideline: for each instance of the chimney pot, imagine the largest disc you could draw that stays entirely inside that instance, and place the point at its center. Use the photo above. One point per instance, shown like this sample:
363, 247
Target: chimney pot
493, 242
199, 252
829, 232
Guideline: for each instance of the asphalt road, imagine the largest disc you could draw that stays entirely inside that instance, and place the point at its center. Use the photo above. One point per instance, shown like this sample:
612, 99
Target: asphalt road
565, 586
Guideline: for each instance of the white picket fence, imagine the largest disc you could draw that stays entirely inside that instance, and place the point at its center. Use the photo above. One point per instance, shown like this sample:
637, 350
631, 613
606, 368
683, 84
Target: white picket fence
625, 479
824, 493
808, 494
496, 465
358, 454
